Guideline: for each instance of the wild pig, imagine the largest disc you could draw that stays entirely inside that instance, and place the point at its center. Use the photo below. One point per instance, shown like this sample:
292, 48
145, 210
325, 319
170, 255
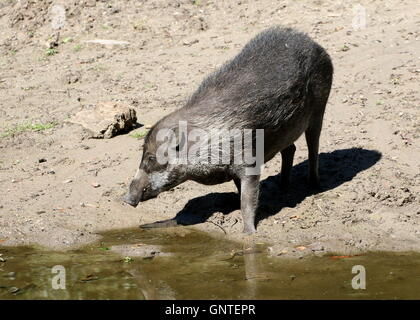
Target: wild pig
276, 87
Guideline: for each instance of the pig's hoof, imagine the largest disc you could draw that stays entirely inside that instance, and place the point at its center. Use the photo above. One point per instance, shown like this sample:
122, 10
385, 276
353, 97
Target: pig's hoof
249, 230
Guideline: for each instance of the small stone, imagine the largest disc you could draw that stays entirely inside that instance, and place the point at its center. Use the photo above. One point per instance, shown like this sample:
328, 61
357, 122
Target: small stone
190, 43
106, 193
14, 290
317, 247
108, 43
53, 41
71, 77
41, 160
282, 252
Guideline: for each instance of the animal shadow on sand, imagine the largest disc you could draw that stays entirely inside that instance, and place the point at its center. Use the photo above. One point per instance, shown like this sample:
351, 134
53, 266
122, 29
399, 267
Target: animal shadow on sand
335, 168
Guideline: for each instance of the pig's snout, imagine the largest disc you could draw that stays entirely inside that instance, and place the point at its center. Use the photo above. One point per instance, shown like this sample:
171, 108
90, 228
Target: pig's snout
132, 201
135, 192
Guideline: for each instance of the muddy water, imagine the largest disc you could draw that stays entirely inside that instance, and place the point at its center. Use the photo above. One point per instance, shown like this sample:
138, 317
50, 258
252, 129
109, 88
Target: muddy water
191, 265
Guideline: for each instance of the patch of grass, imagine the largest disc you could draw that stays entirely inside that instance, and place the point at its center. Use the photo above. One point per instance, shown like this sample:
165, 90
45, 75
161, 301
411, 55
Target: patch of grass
27, 127
222, 47
141, 25
51, 52
68, 39
139, 135
127, 259
77, 47
345, 48
395, 79
148, 85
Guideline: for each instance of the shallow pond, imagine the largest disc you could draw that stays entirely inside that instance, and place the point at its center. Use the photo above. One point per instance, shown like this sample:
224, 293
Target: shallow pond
198, 266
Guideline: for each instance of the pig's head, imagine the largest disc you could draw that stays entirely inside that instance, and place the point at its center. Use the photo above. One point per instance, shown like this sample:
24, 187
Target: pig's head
156, 173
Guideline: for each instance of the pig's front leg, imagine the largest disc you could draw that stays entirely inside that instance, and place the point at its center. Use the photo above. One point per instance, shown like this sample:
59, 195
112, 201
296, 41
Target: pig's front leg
249, 201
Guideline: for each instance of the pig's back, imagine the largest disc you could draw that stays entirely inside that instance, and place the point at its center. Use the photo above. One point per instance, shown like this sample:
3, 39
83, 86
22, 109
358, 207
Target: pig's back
269, 76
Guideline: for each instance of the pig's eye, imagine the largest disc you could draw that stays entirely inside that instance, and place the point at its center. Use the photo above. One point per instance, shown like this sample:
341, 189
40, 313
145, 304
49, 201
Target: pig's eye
151, 164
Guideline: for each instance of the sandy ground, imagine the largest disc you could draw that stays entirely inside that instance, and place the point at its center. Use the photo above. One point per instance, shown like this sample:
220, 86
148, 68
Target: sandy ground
370, 141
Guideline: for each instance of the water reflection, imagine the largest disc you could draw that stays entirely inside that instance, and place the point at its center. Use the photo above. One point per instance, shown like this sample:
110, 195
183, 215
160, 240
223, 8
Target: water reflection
199, 267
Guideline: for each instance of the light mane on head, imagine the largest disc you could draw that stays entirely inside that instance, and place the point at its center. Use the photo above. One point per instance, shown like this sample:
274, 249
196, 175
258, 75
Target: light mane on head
158, 179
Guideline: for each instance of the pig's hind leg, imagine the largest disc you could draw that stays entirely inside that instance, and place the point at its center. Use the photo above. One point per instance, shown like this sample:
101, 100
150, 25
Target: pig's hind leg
287, 156
237, 182
319, 88
312, 135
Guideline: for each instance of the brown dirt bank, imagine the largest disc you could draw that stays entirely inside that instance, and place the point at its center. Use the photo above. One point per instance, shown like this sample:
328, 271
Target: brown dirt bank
370, 141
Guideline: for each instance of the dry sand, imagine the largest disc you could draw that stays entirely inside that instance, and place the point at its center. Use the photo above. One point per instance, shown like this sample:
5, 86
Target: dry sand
369, 144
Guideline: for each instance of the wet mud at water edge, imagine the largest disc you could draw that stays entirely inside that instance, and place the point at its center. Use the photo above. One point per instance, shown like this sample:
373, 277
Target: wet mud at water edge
183, 263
